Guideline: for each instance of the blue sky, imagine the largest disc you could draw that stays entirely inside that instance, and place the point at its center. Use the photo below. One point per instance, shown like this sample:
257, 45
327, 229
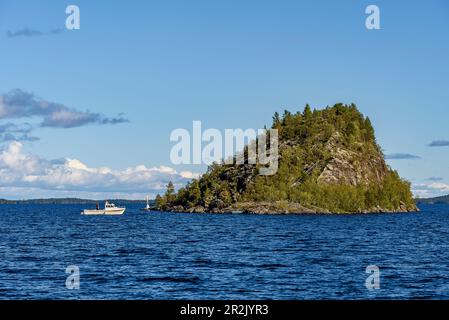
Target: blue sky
161, 65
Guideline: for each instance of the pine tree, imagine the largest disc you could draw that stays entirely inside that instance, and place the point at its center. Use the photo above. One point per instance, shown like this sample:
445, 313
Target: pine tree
369, 130
276, 121
170, 193
307, 112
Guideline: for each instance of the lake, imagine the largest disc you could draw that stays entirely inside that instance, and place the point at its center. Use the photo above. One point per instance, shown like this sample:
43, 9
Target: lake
156, 255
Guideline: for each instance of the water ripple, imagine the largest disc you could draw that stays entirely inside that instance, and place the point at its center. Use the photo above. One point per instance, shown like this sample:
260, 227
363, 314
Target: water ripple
154, 255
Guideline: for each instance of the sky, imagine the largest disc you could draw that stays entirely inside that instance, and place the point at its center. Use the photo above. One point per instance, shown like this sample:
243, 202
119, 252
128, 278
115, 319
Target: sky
89, 112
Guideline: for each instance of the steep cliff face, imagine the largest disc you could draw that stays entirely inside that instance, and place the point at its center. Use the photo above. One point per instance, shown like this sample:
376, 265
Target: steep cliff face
353, 168
329, 162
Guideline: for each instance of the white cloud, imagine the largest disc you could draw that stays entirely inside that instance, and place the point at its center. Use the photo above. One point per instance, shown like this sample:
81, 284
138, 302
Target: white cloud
29, 172
189, 175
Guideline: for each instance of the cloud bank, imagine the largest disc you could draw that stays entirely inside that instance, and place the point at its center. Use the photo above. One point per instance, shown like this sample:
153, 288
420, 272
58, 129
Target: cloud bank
20, 104
434, 189
26, 171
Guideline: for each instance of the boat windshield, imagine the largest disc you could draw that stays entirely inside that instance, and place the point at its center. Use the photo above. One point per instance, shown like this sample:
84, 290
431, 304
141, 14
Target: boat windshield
109, 205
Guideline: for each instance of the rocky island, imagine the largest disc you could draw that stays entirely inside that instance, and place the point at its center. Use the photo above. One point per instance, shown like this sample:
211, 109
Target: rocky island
329, 162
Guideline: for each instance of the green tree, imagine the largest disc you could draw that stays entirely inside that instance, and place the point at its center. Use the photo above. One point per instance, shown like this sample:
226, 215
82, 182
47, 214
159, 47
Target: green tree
160, 202
369, 130
194, 193
307, 113
276, 121
170, 193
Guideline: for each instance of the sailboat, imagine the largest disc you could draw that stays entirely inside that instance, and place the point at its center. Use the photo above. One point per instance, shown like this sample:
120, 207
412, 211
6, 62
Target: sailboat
147, 207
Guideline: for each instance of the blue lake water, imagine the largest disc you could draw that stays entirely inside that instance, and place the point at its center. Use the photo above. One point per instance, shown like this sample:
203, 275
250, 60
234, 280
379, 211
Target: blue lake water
153, 255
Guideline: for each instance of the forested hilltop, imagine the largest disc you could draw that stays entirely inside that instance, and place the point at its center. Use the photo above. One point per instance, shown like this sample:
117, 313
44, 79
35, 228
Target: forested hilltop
329, 162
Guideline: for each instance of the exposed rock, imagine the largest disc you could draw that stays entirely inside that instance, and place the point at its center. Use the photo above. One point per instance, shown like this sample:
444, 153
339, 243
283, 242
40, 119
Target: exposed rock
350, 167
199, 209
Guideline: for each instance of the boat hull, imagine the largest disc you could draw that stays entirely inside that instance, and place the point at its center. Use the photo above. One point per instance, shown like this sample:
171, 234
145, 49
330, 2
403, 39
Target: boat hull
108, 212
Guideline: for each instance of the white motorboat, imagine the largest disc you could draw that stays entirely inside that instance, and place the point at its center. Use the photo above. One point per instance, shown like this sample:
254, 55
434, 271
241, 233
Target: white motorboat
109, 209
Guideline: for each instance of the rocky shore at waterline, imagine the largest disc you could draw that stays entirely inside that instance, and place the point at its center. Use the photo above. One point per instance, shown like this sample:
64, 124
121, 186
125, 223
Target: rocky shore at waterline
282, 207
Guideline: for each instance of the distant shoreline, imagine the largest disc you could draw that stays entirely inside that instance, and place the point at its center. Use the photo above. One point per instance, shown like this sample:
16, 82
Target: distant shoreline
69, 201
434, 200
